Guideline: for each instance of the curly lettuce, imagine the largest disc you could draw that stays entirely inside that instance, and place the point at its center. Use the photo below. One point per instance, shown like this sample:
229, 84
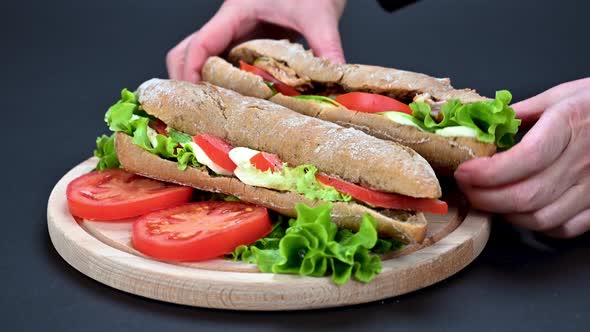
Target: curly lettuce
245, 253
313, 245
493, 120
306, 184
105, 152
300, 179
120, 116
126, 116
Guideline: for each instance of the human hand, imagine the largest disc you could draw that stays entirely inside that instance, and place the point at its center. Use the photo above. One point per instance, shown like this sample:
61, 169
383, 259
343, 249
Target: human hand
240, 20
543, 182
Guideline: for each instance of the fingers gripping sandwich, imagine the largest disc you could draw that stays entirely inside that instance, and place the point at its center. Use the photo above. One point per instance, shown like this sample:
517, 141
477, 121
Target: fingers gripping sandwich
445, 125
260, 152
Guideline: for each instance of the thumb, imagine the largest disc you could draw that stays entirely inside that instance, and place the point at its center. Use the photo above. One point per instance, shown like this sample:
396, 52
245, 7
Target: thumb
324, 39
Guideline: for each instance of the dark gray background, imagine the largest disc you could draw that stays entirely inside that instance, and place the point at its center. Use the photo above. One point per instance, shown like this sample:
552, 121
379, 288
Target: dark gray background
64, 62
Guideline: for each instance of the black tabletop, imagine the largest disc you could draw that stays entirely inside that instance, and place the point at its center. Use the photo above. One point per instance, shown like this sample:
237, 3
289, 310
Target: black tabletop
64, 62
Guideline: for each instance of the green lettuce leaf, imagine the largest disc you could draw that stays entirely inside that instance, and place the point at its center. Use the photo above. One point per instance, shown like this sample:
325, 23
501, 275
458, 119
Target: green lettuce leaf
126, 116
179, 136
312, 245
306, 183
322, 100
270, 242
119, 117
271, 86
230, 198
494, 120
300, 179
165, 146
186, 157
384, 246
105, 152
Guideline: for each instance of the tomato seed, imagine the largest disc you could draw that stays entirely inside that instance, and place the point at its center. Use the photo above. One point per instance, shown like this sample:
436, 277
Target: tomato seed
185, 235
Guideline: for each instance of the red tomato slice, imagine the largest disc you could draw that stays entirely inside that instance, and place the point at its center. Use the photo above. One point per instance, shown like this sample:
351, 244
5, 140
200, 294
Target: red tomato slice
384, 200
199, 231
217, 150
159, 126
278, 85
371, 103
114, 194
264, 161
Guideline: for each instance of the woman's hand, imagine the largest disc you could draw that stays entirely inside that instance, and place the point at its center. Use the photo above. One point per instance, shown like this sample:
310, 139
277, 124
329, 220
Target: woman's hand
240, 20
543, 182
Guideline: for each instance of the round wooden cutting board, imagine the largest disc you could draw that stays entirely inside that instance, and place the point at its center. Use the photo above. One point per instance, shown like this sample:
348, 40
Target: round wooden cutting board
102, 251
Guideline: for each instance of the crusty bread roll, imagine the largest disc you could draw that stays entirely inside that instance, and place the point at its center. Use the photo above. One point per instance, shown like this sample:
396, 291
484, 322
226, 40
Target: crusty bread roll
443, 153
400, 84
403, 226
297, 139
237, 80
294, 55
449, 151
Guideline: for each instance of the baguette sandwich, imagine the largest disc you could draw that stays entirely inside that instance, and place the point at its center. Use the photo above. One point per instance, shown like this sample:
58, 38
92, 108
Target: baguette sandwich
446, 126
216, 140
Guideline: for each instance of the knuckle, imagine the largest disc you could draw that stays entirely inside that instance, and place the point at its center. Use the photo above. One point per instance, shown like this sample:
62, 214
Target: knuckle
579, 121
573, 227
534, 153
575, 110
170, 57
173, 56
541, 221
580, 170
566, 232
576, 114
524, 198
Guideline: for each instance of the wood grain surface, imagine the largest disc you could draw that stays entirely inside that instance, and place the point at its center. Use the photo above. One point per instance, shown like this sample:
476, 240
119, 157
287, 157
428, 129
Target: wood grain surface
102, 251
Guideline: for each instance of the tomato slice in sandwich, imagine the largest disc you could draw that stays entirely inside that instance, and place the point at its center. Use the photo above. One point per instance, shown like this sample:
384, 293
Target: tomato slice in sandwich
371, 103
115, 194
384, 200
264, 161
278, 85
199, 231
217, 150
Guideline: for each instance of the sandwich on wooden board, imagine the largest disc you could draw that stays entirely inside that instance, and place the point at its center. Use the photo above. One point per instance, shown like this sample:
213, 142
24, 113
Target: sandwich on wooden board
259, 152
447, 126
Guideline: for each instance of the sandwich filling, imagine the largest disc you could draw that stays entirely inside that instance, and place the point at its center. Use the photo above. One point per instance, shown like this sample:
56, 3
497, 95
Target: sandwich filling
252, 167
488, 121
